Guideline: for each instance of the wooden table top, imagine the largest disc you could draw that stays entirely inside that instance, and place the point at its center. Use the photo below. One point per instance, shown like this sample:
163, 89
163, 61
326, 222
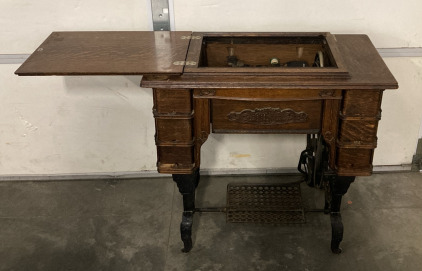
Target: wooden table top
108, 53
154, 55
365, 66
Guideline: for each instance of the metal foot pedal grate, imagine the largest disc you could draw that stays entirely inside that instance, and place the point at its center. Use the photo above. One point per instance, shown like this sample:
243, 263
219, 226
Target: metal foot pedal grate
265, 203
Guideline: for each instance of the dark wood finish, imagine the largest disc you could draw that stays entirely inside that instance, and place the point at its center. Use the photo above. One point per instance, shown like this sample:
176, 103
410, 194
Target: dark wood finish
202, 126
365, 66
269, 95
174, 130
172, 101
330, 127
174, 116
339, 105
264, 117
354, 161
358, 131
359, 116
260, 54
257, 49
369, 103
108, 53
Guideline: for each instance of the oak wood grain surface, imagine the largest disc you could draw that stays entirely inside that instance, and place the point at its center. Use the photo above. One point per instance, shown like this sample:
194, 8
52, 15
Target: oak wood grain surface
108, 53
365, 66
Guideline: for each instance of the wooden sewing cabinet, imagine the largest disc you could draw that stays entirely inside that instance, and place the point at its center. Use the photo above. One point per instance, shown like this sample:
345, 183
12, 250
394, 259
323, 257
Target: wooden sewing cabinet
326, 86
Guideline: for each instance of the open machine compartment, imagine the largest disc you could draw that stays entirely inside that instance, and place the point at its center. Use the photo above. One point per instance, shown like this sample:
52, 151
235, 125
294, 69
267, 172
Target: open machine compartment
281, 54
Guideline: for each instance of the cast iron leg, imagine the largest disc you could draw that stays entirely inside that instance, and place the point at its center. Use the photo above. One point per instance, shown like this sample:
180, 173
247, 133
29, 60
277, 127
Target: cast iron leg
338, 187
187, 184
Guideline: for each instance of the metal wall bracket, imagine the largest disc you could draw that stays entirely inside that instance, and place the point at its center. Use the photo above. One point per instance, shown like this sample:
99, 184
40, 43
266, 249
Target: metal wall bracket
160, 15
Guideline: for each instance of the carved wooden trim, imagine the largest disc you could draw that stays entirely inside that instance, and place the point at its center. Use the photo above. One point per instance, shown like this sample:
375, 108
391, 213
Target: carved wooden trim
207, 92
268, 116
327, 93
202, 137
172, 115
328, 136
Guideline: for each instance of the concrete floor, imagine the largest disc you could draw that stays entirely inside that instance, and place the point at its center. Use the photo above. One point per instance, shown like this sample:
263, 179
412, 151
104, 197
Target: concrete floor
134, 225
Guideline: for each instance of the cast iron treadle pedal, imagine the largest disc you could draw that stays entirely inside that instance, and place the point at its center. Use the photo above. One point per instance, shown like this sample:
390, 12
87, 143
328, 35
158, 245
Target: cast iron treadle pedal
265, 203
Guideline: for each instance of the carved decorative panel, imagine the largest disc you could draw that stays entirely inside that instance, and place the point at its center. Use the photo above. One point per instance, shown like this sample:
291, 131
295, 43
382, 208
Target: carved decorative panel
268, 116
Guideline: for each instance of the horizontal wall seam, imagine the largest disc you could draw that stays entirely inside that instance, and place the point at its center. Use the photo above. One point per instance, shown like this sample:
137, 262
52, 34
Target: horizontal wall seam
384, 52
13, 58
155, 174
400, 52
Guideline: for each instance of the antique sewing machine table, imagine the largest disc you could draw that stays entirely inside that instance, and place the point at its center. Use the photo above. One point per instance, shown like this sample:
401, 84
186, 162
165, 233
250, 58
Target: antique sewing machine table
326, 86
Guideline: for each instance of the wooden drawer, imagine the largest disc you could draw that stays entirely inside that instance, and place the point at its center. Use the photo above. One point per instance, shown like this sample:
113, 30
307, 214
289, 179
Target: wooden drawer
354, 162
235, 116
361, 103
258, 94
172, 101
355, 131
174, 130
182, 155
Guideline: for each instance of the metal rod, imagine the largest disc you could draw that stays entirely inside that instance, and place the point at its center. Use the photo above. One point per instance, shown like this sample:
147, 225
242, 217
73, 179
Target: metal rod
211, 210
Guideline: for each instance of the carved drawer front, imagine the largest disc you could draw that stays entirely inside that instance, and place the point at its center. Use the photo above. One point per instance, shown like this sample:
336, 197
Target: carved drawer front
234, 116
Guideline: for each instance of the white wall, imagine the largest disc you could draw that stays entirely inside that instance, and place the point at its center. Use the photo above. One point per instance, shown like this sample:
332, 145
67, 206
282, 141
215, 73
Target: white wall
56, 125
389, 23
64, 125
401, 114
26, 23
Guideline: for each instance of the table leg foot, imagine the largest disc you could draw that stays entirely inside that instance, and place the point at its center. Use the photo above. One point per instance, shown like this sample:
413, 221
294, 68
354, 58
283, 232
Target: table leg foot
336, 232
187, 184
186, 231
338, 186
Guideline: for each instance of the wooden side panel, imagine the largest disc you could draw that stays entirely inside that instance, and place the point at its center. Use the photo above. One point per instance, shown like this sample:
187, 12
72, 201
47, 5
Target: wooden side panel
330, 126
357, 138
176, 155
173, 112
173, 130
354, 161
358, 103
358, 131
202, 126
173, 101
